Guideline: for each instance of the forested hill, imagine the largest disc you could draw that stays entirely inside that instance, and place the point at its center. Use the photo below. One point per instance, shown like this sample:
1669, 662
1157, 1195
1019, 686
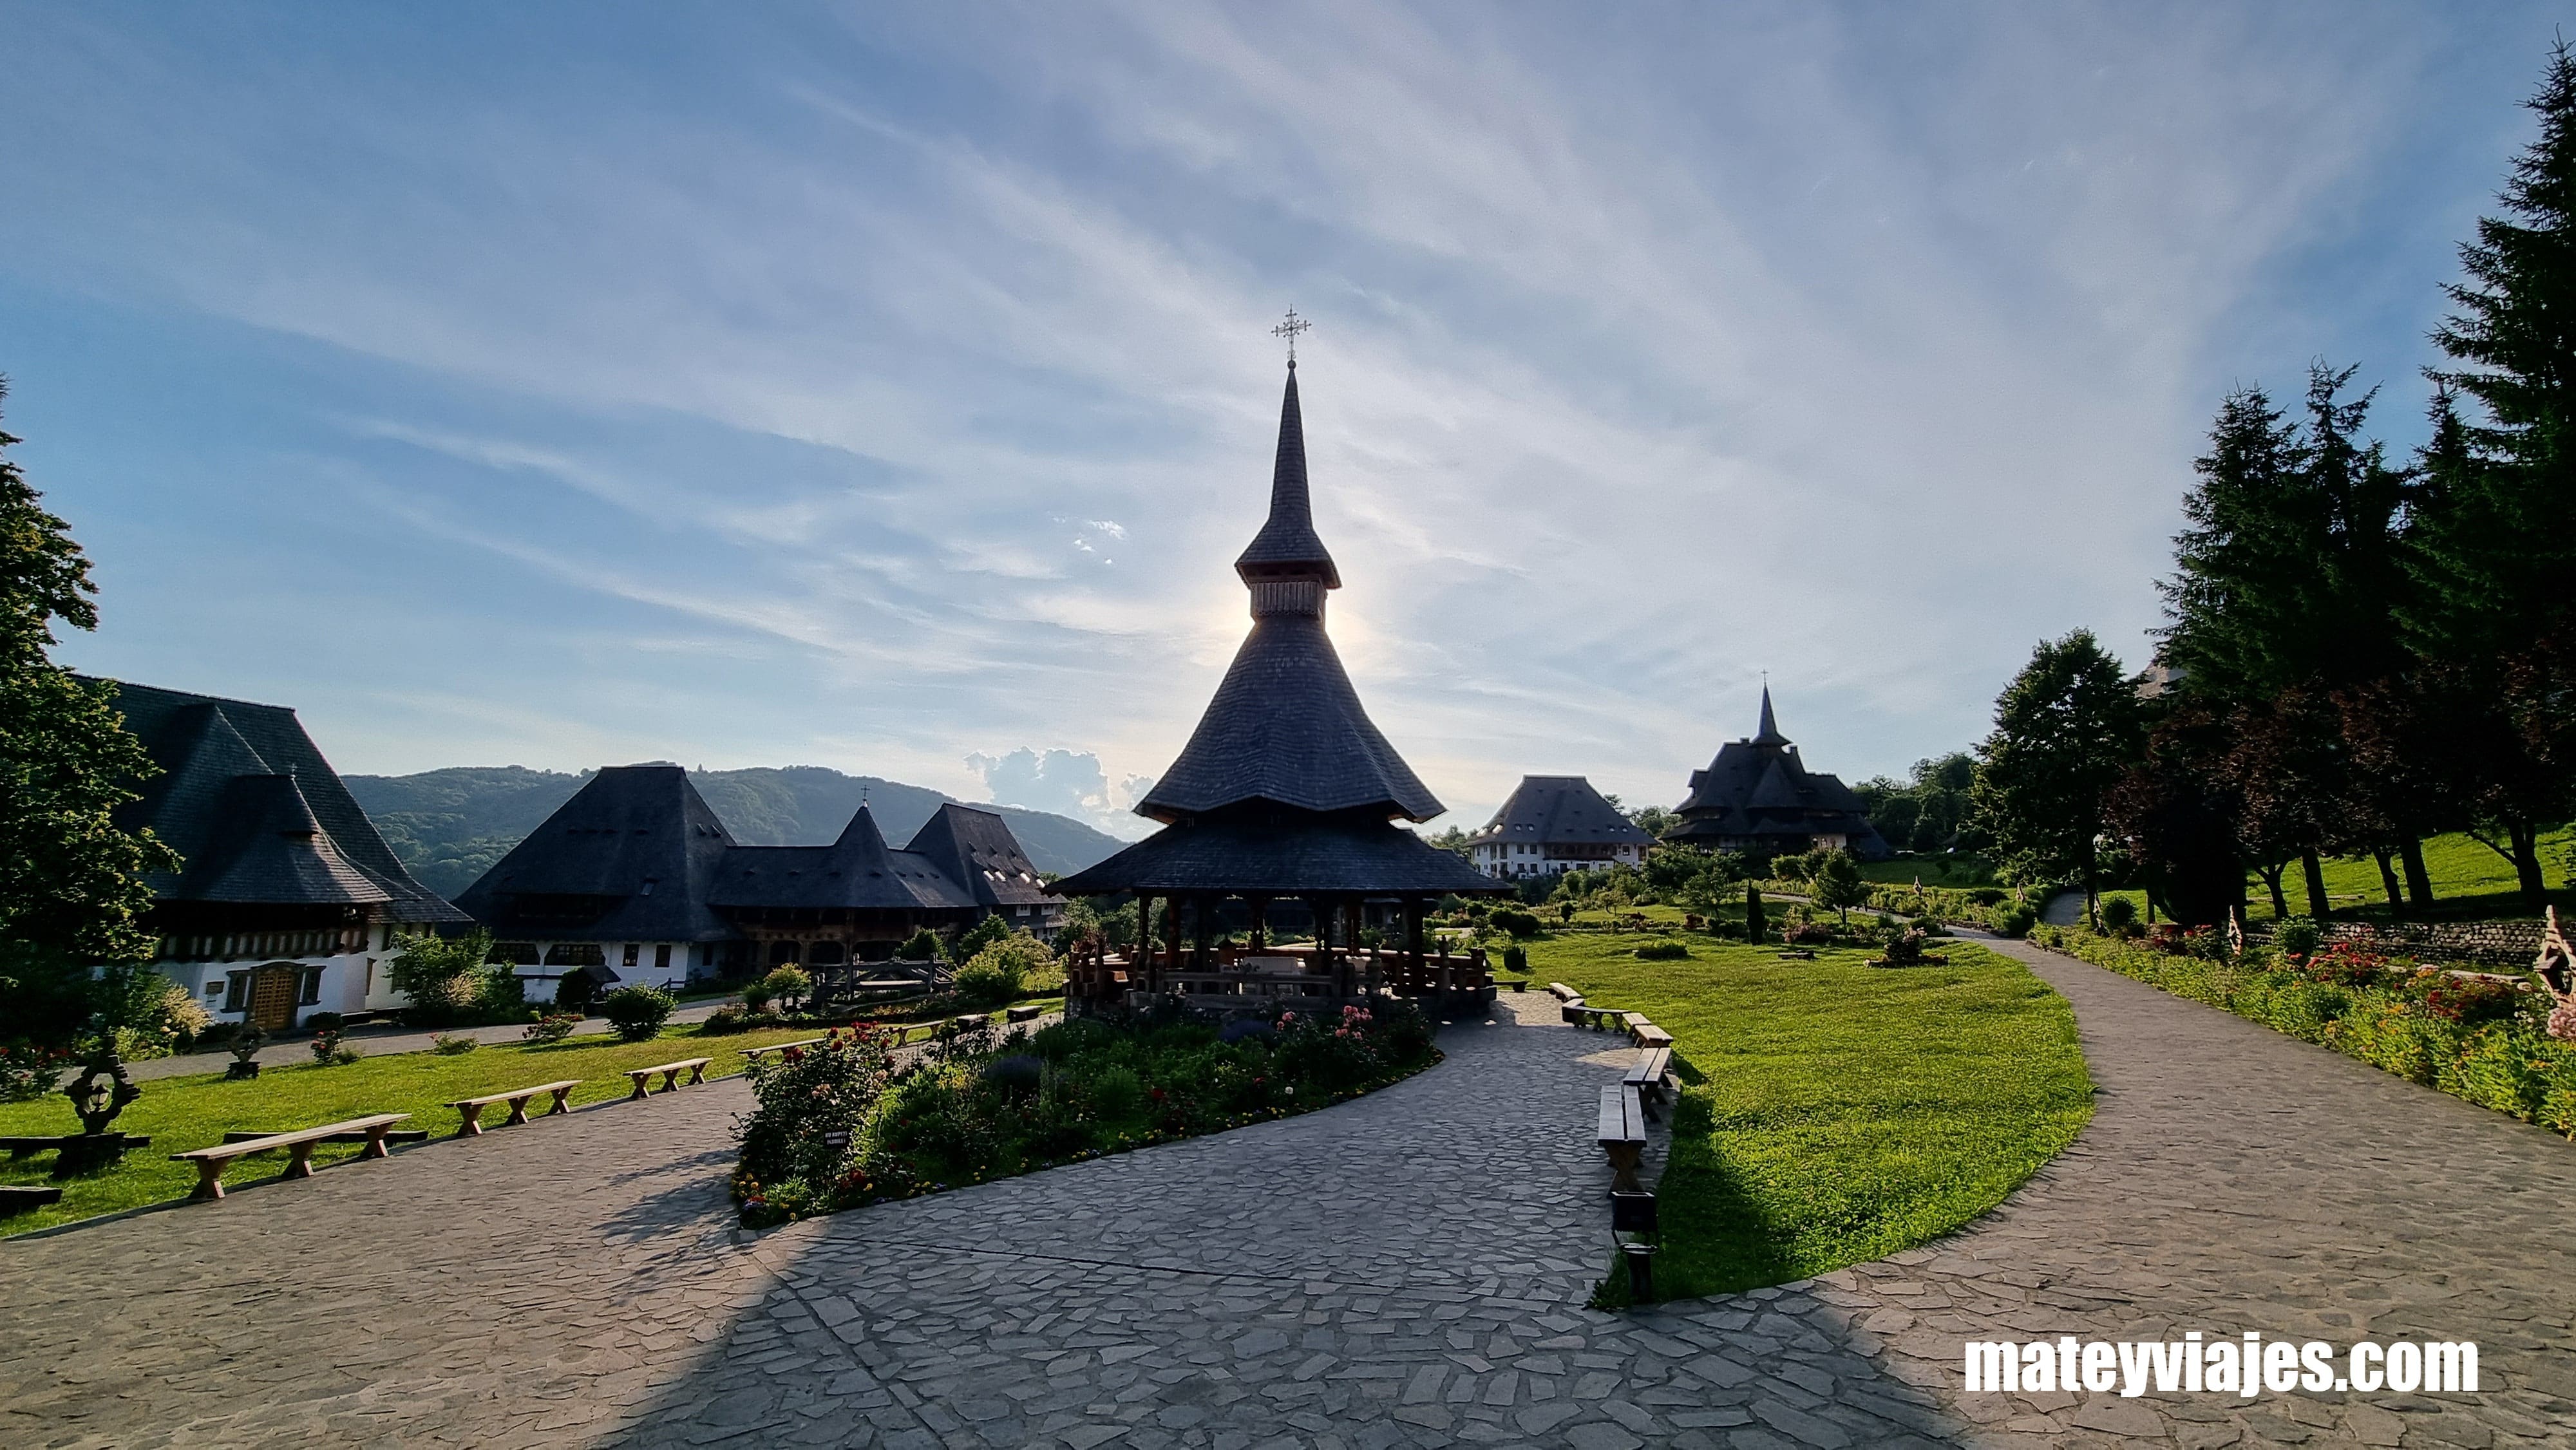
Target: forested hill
449, 826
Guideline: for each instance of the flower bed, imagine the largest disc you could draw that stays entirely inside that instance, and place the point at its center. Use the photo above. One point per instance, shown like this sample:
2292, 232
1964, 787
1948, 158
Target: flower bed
841, 1124
2476, 1038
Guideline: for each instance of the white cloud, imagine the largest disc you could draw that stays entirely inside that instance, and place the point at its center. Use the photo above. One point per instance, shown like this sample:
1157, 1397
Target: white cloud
1865, 346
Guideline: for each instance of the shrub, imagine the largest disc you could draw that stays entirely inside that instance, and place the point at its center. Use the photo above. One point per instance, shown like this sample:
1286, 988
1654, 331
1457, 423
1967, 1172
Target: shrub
999, 971
1246, 1029
810, 1104
552, 1027
1662, 951
756, 995
789, 983
921, 946
1114, 1093
327, 1047
2119, 914
638, 1012
2014, 920
1521, 924
726, 1020
977, 937
28, 1071
574, 992
1516, 960
452, 1046
2296, 935
499, 995
1019, 1073
2469, 1000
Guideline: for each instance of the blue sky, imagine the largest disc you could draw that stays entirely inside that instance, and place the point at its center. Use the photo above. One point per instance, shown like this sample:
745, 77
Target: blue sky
889, 388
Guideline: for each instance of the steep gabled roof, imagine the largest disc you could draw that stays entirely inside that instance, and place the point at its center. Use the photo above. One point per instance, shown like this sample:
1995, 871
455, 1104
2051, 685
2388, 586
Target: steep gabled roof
1285, 725
976, 848
857, 871
1759, 787
1288, 545
638, 841
267, 847
229, 839
1254, 851
1560, 809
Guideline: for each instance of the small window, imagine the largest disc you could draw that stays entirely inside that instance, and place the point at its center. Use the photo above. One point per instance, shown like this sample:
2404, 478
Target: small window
312, 988
214, 988
634, 952
662, 957
236, 990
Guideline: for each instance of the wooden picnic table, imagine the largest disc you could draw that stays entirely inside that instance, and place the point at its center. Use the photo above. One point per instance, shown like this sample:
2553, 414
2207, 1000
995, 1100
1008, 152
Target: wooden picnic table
471, 1109
211, 1162
757, 1053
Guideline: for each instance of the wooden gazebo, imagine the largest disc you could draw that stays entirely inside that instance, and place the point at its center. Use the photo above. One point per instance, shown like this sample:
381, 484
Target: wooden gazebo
1285, 794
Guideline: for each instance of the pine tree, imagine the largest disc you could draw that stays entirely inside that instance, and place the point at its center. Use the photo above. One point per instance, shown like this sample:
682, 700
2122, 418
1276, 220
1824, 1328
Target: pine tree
2498, 544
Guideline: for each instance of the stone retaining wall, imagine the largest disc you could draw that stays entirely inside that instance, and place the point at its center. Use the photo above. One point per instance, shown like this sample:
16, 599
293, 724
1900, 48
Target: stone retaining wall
2487, 943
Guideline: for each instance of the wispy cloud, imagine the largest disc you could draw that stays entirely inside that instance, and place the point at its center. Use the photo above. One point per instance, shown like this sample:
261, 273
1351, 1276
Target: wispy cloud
1653, 349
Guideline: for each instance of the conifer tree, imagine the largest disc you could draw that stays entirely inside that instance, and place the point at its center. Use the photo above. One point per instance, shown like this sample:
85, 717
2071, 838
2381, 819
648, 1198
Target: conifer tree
2496, 540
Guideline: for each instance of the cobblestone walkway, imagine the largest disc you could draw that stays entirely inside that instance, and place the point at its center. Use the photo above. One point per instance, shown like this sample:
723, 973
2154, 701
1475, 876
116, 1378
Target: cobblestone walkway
1407, 1269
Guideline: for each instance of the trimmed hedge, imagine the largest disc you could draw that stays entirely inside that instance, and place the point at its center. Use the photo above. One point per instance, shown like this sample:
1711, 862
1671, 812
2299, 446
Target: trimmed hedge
2481, 1041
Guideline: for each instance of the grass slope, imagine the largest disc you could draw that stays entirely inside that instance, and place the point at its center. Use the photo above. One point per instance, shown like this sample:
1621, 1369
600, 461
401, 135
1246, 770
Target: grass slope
2470, 882
194, 1112
1836, 1113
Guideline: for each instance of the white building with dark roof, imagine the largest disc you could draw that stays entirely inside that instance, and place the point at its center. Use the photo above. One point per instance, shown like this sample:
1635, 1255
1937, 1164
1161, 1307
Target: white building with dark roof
287, 901
1554, 824
636, 874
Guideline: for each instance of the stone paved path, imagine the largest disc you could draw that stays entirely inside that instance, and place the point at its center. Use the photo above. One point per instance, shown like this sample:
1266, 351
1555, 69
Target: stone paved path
1402, 1270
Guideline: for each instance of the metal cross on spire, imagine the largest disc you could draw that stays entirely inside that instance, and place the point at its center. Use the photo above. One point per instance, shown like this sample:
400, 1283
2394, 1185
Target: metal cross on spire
1289, 330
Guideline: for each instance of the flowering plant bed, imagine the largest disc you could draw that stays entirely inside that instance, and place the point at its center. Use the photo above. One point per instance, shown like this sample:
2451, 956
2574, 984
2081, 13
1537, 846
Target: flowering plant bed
2477, 1037
840, 1124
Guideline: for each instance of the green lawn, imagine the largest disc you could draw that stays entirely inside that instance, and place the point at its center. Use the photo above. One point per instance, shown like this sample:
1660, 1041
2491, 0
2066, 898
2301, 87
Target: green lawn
2470, 882
192, 1112
1836, 1113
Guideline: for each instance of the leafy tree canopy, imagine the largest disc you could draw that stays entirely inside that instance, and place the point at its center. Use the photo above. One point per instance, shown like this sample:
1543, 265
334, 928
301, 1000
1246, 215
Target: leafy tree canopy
2066, 729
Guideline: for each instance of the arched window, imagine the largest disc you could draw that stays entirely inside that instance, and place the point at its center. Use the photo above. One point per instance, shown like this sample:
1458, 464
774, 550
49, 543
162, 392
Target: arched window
782, 954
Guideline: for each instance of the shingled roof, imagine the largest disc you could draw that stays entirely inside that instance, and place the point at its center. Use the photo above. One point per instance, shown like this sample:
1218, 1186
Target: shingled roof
977, 848
856, 871
637, 855
1284, 854
1559, 809
631, 857
1758, 789
256, 813
1285, 725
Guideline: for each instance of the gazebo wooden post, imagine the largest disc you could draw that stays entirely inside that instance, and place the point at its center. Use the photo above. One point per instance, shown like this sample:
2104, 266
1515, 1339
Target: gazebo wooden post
1260, 934
1145, 942
1413, 941
1322, 913
1351, 913
1199, 913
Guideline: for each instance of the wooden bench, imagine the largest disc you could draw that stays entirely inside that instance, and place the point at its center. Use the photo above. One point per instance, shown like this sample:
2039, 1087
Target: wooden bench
1648, 1078
22, 1197
1563, 993
695, 1067
1647, 1034
757, 1053
392, 1135
1026, 1012
1572, 1011
211, 1162
30, 1147
1603, 1019
471, 1109
1622, 1134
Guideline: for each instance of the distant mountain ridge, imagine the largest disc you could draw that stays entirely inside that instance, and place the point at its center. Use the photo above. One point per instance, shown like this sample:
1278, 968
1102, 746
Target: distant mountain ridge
449, 826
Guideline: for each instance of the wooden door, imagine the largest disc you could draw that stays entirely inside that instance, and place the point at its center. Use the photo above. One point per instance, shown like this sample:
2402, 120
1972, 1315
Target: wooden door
272, 997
